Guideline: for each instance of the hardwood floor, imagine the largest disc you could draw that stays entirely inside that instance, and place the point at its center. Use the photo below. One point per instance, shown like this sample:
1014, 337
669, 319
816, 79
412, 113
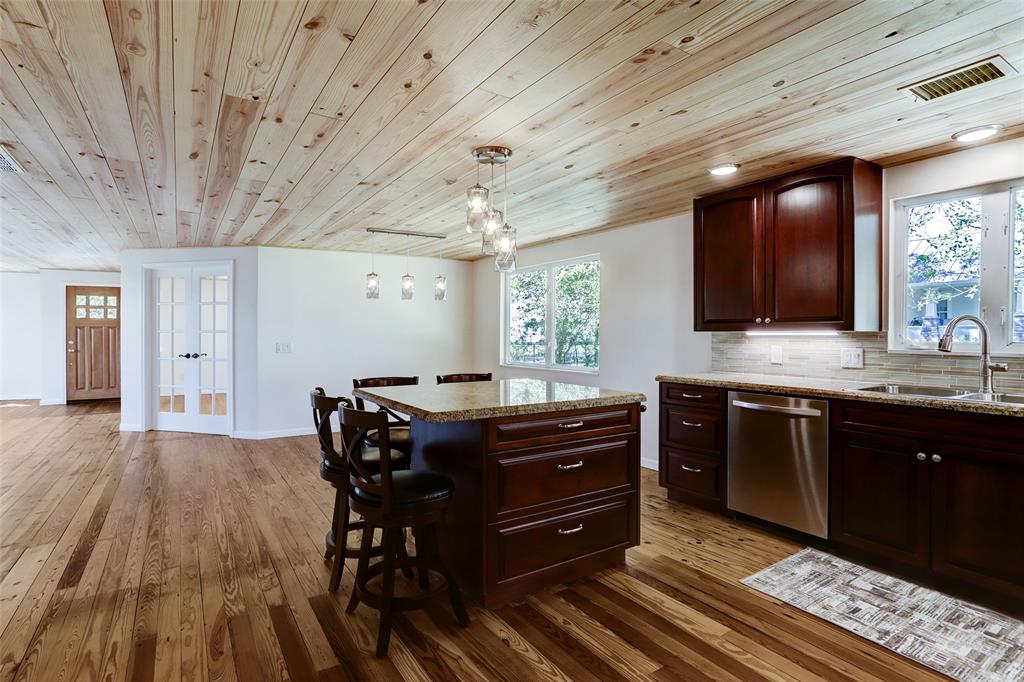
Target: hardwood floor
163, 556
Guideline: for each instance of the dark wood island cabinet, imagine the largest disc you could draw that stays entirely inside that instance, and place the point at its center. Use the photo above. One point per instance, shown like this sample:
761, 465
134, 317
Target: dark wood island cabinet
546, 478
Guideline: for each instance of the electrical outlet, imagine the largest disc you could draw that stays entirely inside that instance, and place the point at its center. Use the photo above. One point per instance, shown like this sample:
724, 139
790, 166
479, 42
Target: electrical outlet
852, 358
776, 355
283, 347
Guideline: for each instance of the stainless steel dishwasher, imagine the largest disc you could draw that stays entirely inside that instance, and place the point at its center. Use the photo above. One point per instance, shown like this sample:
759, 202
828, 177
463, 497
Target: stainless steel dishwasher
778, 460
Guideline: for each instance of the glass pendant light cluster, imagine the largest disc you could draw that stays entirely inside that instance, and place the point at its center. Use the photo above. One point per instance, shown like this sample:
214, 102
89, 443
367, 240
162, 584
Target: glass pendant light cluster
497, 236
408, 288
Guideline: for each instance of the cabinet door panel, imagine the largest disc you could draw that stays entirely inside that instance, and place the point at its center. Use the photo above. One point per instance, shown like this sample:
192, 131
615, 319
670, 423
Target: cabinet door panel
879, 496
729, 259
978, 517
809, 237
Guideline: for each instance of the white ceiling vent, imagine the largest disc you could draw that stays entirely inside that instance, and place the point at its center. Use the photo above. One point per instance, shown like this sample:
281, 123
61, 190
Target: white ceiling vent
7, 162
959, 79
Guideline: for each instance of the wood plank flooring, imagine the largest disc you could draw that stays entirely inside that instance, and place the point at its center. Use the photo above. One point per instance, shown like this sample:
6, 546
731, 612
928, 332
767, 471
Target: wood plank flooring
163, 556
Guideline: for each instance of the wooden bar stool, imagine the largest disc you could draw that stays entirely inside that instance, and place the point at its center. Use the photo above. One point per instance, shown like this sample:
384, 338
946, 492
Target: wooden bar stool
333, 470
459, 378
401, 434
393, 501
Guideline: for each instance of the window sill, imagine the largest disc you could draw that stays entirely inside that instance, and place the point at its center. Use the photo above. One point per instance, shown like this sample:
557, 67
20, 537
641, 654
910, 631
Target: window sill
552, 368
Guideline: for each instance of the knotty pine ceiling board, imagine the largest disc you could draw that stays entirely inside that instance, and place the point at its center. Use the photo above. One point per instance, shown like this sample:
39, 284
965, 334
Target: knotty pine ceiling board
299, 123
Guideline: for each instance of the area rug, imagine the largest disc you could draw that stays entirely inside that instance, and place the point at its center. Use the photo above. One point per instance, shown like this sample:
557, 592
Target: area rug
954, 637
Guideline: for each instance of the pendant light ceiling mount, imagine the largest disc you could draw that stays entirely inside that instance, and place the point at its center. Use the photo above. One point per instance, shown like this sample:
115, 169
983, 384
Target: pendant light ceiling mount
492, 154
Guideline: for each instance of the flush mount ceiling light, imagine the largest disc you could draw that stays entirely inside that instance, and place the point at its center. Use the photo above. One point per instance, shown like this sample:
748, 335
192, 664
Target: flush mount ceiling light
484, 217
977, 133
724, 169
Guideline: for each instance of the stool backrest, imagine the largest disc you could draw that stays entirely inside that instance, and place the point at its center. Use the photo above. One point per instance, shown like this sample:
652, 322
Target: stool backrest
378, 382
323, 407
355, 424
466, 376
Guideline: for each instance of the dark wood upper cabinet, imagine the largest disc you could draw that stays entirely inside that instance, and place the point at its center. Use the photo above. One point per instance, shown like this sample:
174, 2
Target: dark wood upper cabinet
795, 252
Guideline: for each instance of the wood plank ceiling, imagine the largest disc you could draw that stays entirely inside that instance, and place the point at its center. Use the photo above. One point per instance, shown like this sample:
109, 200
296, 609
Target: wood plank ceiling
148, 123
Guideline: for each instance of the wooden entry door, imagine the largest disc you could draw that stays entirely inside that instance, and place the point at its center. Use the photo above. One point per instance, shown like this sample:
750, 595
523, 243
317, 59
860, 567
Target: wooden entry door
93, 342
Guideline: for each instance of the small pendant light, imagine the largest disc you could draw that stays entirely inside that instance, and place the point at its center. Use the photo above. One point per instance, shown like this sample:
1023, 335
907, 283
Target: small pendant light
505, 249
372, 281
478, 205
440, 282
408, 281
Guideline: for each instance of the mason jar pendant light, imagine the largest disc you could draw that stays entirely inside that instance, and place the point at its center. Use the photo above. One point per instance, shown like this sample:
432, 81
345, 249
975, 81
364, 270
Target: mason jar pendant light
440, 282
478, 205
372, 281
494, 223
408, 281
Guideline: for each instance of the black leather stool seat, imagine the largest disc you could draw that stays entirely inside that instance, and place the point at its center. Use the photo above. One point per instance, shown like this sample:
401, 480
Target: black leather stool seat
371, 456
412, 487
400, 437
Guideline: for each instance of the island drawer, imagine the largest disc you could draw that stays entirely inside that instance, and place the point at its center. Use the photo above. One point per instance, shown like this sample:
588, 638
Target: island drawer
707, 397
517, 550
520, 482
683, 427
695, 474
531, 430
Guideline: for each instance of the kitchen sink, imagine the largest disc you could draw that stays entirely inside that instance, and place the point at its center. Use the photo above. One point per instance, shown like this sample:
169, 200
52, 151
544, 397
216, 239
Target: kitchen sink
918, 391
1014, 398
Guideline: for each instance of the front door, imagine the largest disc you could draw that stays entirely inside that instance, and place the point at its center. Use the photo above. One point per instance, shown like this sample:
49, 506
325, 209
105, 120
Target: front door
93, 342
191, 348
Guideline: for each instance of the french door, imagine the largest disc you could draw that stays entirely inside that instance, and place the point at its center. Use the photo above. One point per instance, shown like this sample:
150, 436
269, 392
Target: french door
191, 375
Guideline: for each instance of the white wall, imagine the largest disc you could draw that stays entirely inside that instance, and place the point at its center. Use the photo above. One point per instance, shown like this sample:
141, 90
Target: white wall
315, 301
247, 390
19, 336
53, 286
646, 312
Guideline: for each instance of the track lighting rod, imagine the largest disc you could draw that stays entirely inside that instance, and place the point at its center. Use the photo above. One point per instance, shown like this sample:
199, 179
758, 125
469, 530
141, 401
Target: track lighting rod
406, 233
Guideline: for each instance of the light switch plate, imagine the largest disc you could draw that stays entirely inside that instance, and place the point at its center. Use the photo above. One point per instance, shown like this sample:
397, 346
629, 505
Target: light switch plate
852, 358
776, 355
283, 347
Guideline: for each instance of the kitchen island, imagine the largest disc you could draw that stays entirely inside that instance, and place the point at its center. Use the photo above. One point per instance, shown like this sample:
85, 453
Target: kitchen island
546, 477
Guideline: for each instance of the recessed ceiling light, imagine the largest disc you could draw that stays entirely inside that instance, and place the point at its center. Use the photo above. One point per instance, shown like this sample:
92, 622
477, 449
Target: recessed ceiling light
724, 169
979, 133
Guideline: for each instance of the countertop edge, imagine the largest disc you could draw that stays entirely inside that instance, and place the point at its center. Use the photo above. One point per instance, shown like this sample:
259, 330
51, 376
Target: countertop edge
763, 385
475, 413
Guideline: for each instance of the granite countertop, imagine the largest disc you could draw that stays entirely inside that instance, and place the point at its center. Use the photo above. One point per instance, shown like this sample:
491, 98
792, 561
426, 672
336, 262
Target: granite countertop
486, 399
835, 388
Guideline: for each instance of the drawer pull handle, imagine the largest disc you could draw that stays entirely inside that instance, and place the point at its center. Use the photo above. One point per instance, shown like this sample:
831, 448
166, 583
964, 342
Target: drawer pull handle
696, 424
566, 467
571, 425
570, 531
693, 396
691, 469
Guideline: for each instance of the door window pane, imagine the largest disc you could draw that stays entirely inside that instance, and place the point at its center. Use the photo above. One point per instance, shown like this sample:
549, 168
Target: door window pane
111, 300
577, 314
80, 312
206, 317
222, 345
79, 299
95, 313
95, 300
943, 251
111, 313
206, 289
222, 317
222, 288
179, 289
165, 290
1018, 266
528, 303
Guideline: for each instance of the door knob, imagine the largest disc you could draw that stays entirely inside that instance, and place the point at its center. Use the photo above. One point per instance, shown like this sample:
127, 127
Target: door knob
757, 320
921, 457
767, 320
936, 458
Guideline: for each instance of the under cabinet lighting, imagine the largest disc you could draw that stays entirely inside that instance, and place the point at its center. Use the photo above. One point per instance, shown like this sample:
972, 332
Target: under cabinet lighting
781, 333
976, 134
724, 169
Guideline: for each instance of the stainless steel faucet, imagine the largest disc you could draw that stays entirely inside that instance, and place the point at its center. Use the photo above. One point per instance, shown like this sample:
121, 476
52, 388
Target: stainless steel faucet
987, 367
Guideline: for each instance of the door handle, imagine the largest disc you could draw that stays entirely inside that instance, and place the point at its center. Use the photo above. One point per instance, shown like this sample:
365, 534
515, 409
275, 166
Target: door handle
566, 467
694, 424
570, 531
691, 469
571, 425
187, 356
693, 396
778, 409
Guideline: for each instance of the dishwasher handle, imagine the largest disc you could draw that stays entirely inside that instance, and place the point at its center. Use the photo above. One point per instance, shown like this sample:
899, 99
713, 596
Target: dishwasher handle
778, 409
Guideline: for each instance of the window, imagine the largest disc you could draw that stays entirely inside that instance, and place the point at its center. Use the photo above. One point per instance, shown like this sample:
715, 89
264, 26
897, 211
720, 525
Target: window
957, 254
551, 315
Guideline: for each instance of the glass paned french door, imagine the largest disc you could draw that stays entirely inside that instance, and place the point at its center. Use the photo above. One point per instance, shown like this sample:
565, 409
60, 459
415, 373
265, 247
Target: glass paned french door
191, 375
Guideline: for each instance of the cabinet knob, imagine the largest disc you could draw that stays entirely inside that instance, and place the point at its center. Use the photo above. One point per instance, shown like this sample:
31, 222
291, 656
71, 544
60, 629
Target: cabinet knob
921, 457
936, 458
757, 320
767, 320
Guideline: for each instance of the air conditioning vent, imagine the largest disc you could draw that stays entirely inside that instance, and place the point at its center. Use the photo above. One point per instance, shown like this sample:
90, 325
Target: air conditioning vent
959, 79
7, 162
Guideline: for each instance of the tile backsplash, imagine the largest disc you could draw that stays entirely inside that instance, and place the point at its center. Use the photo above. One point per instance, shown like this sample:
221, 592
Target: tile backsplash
819, 356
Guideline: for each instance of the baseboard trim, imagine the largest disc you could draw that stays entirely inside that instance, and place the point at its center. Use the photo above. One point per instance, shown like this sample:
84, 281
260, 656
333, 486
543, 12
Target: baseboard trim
649, 463
52, 401
282, 433
131, 427
20, 396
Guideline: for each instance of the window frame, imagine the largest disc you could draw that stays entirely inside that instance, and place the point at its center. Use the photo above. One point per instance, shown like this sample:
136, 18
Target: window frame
549, 320
996, 268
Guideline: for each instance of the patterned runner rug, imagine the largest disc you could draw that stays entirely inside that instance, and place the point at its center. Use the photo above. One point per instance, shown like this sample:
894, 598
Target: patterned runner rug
957, 638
